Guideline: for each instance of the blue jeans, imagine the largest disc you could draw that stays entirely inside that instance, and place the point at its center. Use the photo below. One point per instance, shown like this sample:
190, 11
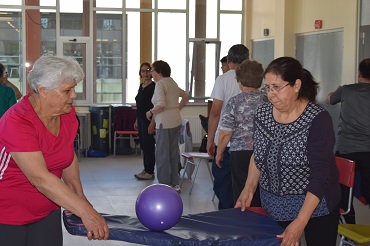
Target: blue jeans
222, 184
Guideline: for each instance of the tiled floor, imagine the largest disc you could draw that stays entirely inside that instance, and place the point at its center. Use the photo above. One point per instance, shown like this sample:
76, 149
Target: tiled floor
110, 186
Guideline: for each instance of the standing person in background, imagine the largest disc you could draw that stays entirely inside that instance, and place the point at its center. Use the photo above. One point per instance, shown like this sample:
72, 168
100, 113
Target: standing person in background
225, 87
353, 140
7, 94
237, 127
4, 81
166, 113
145, 127
293, 160
224, 65
39, 170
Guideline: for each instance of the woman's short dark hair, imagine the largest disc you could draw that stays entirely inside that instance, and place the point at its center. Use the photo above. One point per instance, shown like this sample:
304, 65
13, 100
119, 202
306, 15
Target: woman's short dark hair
144, 64
2, 69
364, 68
289, 70
162, 67
249, 73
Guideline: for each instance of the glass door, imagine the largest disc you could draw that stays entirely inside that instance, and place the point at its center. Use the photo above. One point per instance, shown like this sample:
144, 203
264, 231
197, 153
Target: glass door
78, 49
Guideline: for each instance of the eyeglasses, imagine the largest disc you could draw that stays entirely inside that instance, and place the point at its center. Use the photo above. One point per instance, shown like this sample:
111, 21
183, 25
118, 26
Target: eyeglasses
274, 88
146, 71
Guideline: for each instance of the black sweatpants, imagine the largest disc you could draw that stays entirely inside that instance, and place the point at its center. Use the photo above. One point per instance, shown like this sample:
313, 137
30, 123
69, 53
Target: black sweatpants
45, 232
239, 162
147, 144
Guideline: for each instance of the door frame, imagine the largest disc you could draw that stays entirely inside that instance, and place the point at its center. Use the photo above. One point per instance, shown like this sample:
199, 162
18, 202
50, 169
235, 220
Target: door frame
88, 61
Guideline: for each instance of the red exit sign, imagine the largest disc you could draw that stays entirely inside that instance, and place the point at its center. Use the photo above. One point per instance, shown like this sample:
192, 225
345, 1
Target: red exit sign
318, 24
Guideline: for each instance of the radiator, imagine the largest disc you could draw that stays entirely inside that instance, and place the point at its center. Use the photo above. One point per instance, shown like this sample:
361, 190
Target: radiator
195, 129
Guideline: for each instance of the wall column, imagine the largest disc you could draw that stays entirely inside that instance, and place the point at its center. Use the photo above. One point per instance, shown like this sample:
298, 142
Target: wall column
33, 33
200, 49
146, 33
284, 34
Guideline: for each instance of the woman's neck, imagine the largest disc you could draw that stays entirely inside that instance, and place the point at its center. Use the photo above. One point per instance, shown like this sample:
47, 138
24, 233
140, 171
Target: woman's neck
248, 89
43, 112
50, 121
292, 113
146, 82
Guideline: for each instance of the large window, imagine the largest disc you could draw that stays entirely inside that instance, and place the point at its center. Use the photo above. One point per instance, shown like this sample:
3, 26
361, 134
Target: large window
108, 69
116, 36
11, 44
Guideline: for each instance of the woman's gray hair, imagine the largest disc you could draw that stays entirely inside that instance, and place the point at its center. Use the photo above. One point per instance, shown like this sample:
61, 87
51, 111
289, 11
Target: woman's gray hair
52, 71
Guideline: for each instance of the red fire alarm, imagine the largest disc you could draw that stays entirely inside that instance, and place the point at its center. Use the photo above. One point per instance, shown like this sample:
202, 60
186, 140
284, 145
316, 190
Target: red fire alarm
318, 24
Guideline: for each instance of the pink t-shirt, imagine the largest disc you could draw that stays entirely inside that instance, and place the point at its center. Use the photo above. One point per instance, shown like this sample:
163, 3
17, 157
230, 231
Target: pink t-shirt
21, 130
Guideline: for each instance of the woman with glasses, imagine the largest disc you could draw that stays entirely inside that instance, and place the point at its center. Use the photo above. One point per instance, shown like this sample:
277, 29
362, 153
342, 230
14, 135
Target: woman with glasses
293, 160
145, 127
166, 112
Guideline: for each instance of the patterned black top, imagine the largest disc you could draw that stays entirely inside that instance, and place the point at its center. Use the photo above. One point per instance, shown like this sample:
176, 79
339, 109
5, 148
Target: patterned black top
296, 158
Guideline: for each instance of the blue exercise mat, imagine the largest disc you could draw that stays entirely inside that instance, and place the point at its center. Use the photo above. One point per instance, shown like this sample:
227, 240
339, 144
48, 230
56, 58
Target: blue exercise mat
224, 227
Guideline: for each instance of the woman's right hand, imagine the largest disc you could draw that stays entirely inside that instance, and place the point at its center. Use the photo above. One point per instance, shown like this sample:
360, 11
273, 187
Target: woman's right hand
95, 224
211, 148
219, 158
245, 199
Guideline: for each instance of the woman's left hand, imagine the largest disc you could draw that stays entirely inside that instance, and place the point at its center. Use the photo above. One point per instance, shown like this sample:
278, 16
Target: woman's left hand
292, 234
149, 115
151, 128
96, 226
219, 158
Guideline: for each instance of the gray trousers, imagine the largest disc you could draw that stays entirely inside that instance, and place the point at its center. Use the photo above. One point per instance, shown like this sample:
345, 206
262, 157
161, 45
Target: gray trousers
167, 155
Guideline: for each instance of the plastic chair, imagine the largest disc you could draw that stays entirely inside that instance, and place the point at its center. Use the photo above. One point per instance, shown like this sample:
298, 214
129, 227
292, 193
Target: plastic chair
355, 232
185, 145
125, 135
195, 159
123, 128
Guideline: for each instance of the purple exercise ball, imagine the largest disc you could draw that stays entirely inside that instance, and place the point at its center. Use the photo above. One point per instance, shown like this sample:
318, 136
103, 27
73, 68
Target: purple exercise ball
158, 207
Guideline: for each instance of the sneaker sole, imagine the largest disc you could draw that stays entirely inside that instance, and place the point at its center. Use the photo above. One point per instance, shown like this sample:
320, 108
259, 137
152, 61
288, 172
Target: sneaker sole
144, 178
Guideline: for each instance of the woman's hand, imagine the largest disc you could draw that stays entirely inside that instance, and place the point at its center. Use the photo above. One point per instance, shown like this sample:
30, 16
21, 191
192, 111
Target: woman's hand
219, 158
135, 125
245, 199
293, 233
151, 127
95, 225
149, 115
211, 147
